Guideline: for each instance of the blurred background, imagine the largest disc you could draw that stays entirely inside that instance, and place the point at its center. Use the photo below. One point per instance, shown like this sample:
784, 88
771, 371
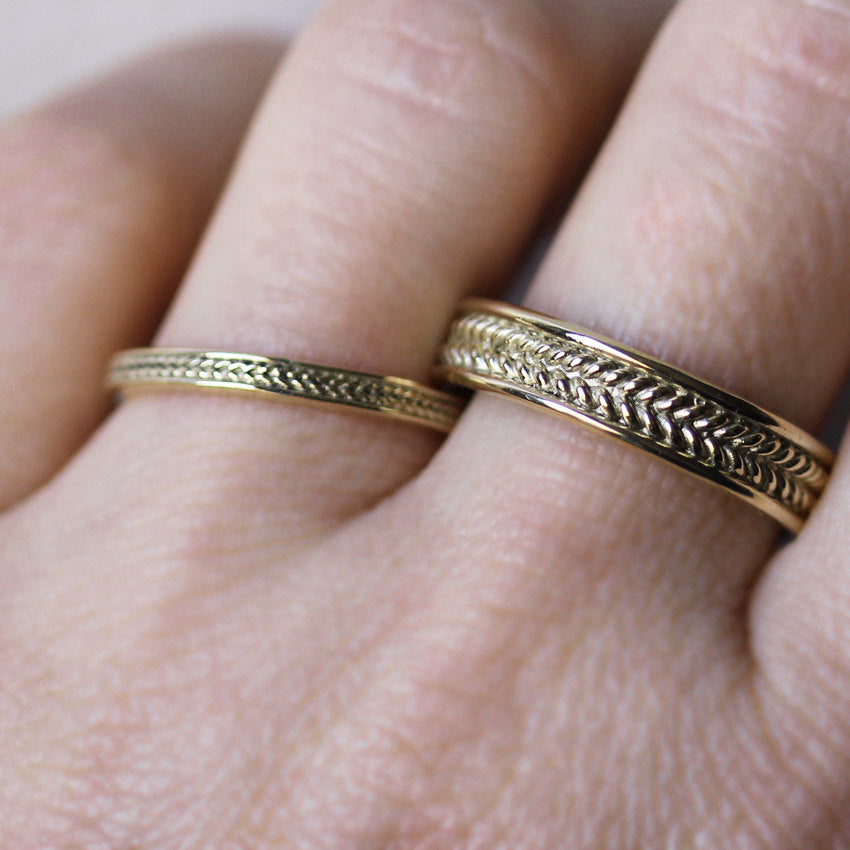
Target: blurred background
46, 45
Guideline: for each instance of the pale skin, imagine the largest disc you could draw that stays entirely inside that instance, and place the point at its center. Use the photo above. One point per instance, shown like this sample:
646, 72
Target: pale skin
234, 624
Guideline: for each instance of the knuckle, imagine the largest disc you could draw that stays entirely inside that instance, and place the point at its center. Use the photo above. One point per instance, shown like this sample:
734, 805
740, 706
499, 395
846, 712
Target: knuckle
807, 42
768, 77
68, 184
61, 163
789, 64
449, 56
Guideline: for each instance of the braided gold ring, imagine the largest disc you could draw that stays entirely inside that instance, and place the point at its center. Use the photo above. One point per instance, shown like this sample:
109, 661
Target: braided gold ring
277, 378
772, 464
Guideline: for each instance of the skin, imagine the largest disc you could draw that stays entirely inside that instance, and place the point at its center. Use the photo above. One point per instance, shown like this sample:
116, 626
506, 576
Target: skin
231, 624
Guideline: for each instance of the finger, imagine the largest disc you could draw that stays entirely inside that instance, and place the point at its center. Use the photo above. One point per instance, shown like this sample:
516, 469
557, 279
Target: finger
711, 235
801, 630
402, 158
102, 195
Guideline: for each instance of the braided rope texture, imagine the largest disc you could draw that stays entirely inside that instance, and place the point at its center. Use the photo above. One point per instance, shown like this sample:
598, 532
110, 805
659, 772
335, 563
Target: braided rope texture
639, 404
289, 378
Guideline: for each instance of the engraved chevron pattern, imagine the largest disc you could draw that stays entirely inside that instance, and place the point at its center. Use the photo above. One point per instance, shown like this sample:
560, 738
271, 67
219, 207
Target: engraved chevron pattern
288, 378
639, 403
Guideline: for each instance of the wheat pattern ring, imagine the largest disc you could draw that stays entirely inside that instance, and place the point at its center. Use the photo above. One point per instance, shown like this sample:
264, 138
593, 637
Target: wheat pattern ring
284, 379
703, 429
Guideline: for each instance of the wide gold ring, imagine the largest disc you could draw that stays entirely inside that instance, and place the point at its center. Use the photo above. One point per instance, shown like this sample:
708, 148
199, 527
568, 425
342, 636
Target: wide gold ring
278, 378
765, 460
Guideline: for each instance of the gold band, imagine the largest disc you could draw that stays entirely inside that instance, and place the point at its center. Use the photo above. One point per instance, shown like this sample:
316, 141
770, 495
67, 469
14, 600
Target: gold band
760, 457
285, 379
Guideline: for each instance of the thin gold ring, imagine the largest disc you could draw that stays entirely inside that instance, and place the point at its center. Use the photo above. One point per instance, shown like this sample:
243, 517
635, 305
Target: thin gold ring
279, 378
724, 439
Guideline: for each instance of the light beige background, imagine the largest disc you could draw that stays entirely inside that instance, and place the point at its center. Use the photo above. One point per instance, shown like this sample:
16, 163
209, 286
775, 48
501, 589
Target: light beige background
47, 44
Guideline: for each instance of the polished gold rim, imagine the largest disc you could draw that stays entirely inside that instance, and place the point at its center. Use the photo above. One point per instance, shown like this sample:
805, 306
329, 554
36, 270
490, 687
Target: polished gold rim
278, 378
711, 433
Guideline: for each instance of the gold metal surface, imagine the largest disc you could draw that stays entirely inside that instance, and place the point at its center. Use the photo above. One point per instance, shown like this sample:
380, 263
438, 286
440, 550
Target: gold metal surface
277, 378
713, 434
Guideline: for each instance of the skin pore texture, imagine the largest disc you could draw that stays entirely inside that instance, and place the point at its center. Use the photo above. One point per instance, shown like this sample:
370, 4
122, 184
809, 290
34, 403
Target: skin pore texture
234, 624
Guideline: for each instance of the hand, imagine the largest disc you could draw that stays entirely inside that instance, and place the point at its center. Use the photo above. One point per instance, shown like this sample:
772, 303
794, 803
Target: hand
232, 624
